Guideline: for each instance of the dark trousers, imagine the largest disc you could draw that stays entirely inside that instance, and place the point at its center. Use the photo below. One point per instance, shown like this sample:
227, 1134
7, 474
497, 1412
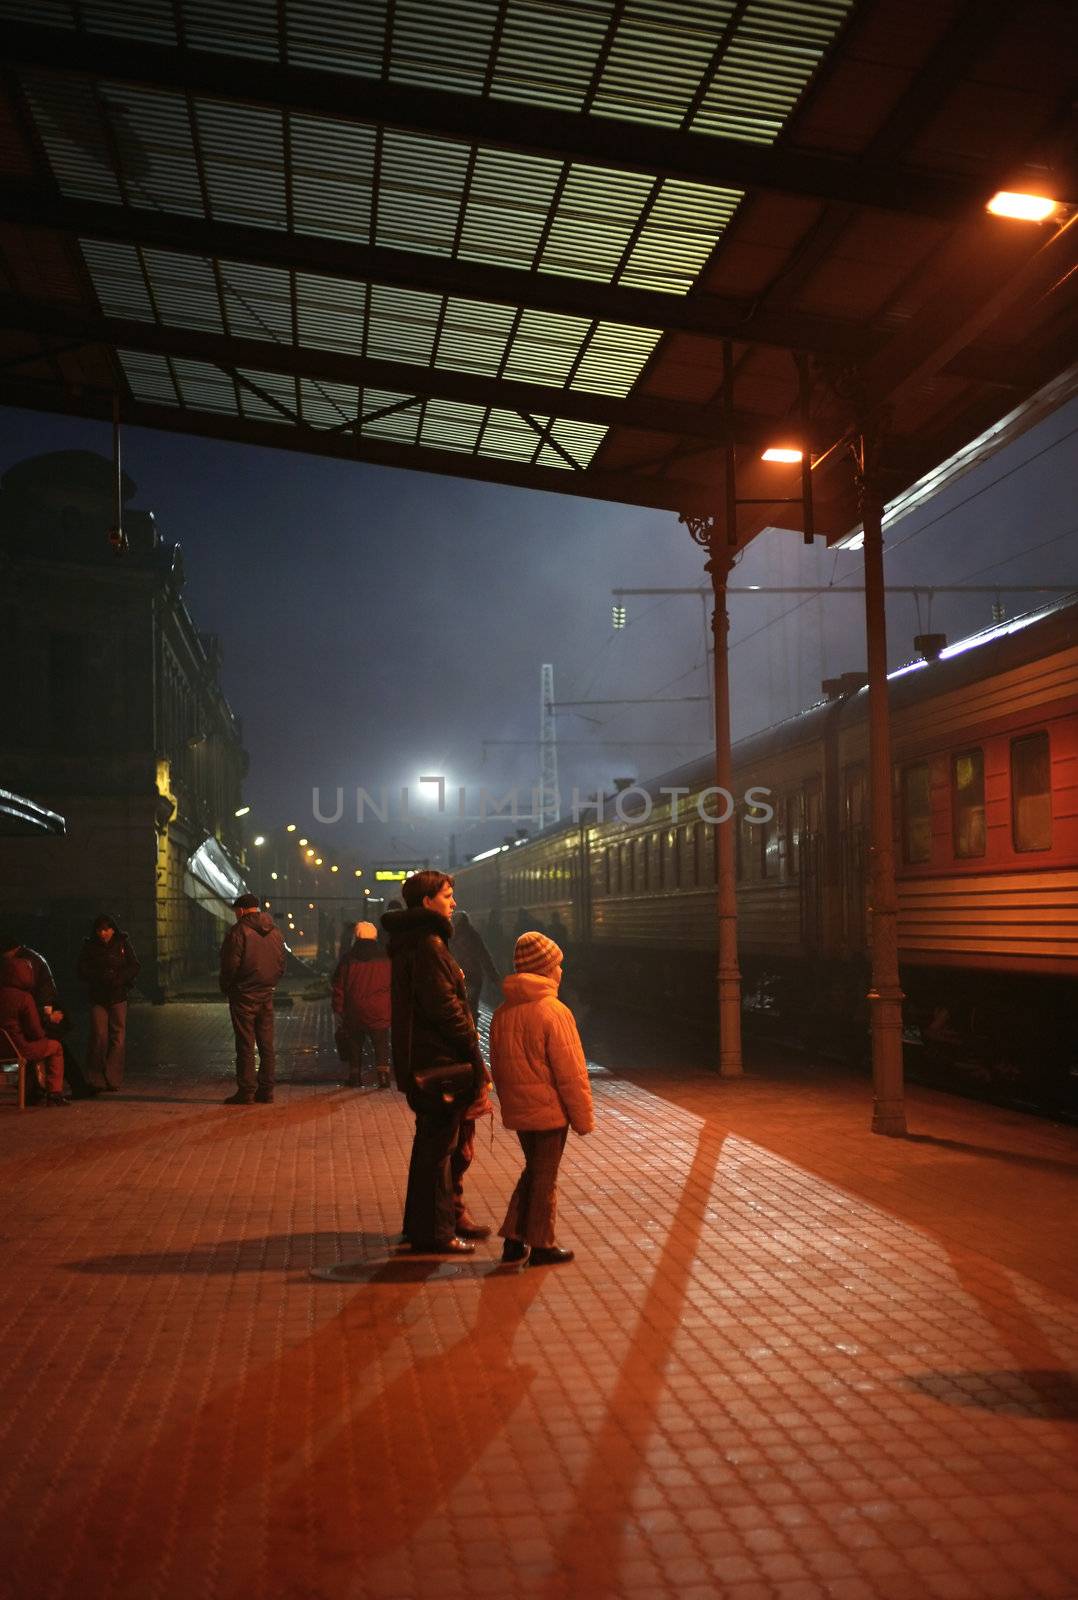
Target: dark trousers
355, 1040
533, 1209
252, 1023
105, 1053
434, 1173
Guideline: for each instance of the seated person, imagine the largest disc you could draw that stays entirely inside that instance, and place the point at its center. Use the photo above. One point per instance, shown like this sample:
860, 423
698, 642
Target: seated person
23, 968
21, 1022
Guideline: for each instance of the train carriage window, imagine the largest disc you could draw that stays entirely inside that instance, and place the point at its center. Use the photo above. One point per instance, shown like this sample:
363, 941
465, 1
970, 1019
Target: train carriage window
769, 834
967, 793
1031, 792
640, 864
916, 813
795, 827
673, 878
626, 866
748, 846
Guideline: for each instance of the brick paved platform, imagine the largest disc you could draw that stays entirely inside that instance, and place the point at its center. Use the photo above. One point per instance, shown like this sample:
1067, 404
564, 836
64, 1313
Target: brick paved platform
792, 1360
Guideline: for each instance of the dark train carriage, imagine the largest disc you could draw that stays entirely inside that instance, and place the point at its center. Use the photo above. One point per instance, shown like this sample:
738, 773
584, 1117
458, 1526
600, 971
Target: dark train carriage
986, 842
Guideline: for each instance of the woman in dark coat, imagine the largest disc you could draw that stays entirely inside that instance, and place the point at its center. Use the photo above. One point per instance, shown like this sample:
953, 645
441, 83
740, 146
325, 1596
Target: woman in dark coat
108, 966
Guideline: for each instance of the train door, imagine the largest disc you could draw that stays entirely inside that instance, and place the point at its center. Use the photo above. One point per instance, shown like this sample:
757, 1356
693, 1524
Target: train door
807, 852
854, 797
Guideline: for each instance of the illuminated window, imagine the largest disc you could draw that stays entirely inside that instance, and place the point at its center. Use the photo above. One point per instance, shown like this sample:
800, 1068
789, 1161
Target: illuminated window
916, 813
967, 795
1031, 793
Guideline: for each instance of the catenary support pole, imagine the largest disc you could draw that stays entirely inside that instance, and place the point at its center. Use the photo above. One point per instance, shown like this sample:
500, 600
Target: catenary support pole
710, 533
885, 996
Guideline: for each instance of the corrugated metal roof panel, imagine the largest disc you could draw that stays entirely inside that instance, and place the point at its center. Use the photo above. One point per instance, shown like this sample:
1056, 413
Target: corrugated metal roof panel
548, 54
508, 205
658, 59
70, 128
419, 194
402, 324
507, 436
128, 19
243, 157
148, 377
258, 301
184, 290
685, 223
276, 385
596, 215
449, 425
773, 54
331, 312
327, 405
474, 336
614, 358
401, 426
242, 27
152, 134
580, 439
442, 44
332, 177
545, 348
117, 279
205, 387
337, 35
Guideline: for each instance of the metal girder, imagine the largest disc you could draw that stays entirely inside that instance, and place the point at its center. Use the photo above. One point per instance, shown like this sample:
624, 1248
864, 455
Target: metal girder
710, 316
623, 488
51, 320
563, 135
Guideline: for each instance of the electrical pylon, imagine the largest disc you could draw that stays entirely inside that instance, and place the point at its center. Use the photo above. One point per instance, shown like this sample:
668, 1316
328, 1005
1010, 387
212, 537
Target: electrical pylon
549, 800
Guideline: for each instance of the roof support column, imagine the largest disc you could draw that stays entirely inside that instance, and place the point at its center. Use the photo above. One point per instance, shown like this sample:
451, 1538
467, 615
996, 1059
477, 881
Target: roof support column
722, 552
885, 996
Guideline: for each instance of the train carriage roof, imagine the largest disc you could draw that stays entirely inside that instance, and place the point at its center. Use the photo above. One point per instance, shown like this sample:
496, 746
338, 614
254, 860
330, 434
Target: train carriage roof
516, 240
999, 648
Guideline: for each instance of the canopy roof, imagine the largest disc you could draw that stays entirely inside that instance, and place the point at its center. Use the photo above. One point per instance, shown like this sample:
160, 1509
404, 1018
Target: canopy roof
512, 239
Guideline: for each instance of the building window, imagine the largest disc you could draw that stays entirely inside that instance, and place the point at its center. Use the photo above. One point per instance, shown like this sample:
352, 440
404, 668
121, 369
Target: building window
916, 813
1031, 793
967, 792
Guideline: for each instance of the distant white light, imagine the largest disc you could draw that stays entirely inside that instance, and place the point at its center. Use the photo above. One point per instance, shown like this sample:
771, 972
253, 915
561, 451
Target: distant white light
260, 838
617, 616
290, 827
242, 811
484, 855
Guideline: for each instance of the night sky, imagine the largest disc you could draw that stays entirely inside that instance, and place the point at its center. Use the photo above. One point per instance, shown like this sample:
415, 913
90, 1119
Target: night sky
379, 624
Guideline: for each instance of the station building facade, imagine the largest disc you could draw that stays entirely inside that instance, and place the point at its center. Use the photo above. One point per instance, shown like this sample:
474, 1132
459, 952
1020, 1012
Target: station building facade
113, 716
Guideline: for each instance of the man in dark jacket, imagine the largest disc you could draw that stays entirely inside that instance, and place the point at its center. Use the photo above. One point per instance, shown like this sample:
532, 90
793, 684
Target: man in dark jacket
252, 965
108, 966
360, 996
432, 1026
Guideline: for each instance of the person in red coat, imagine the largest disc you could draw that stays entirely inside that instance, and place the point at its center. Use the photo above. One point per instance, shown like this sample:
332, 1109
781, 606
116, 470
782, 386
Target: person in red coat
361, 1004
